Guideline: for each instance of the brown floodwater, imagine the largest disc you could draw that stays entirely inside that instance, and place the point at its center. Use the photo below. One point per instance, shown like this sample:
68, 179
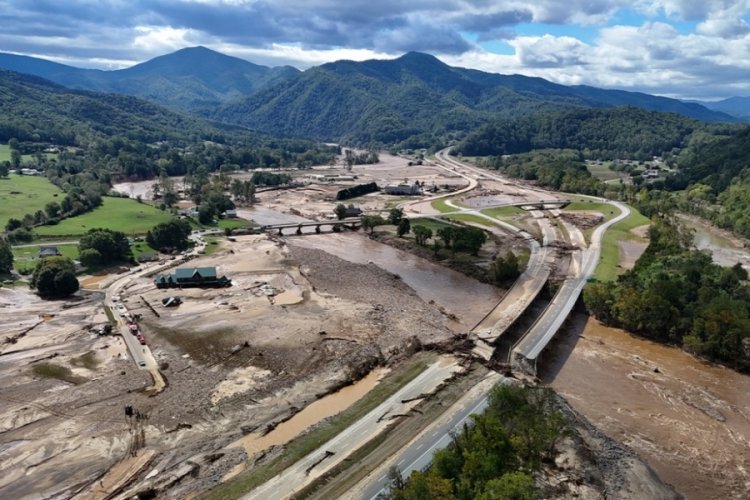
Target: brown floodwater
725, 249
465, 297
690, 420
313, 413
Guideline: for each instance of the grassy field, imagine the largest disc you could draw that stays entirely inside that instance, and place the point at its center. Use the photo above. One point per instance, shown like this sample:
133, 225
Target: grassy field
442, 207
323, 432
31, 253
5, 154
472, 218
432, 224
504, 212
603, 172
607, 210
25, 194
118, 214
607, 269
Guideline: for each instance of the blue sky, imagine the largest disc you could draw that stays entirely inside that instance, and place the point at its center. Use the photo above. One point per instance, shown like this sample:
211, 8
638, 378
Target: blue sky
679, 48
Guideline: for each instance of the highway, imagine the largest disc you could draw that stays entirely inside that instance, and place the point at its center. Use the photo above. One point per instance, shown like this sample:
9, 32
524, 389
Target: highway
418, 453
318, 462
533, 343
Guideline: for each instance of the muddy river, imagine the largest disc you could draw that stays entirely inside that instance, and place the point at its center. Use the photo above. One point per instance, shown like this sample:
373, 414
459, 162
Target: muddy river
726, 249
688, 419
465, 297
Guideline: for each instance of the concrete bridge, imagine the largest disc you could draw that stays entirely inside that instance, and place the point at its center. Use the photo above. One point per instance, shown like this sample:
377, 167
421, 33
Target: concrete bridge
353, 223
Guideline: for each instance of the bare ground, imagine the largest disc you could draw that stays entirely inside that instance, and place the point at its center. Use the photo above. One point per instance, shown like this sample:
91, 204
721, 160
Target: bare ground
294, 325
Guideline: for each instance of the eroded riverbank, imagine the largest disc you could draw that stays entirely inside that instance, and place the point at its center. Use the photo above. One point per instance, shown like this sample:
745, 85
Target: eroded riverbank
690, 420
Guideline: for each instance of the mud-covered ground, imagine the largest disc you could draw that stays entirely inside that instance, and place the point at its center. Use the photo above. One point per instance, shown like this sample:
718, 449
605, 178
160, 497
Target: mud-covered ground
294, 325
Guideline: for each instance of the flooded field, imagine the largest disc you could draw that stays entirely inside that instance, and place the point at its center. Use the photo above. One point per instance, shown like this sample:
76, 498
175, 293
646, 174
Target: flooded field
690, 420
465, 297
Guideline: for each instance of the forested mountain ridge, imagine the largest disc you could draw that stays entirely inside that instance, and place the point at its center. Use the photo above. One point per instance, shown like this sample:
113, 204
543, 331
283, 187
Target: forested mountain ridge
734, 106
414, 97
193, 79
34, 109
624, 132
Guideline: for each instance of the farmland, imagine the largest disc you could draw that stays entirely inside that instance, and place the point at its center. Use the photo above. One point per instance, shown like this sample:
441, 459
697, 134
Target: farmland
25, 194
118, 214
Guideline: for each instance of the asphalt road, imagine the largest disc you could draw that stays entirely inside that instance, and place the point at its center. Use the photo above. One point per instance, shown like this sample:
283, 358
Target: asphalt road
537, 338
417, 455
318, 462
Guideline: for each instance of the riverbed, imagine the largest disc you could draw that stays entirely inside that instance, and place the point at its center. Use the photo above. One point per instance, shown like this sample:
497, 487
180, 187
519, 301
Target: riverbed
726, 249
689, 419
468, 299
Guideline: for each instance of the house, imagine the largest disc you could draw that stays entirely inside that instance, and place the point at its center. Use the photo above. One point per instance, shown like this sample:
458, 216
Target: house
229, 214
48, 251
30, 171
402, 189
191, 277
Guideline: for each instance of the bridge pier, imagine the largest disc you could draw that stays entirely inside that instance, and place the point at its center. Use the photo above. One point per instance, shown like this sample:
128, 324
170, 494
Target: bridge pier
317, 229
336, 228
299, 230
281, 232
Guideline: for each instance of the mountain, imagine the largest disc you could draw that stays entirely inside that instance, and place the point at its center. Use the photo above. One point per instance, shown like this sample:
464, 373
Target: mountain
34, 109
622, 132
190, 79
415, 96
390, 100
738, 107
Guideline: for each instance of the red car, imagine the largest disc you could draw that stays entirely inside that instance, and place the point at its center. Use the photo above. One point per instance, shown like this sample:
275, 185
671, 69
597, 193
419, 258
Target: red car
141, 339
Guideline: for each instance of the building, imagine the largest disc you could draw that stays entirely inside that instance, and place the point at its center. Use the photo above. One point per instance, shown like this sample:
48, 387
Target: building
48, 251
187, 277
402, 189
229, 214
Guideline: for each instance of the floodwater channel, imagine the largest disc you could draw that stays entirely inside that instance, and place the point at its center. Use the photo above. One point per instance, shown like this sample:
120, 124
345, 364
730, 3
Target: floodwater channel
467, 298
689, 419
313, 413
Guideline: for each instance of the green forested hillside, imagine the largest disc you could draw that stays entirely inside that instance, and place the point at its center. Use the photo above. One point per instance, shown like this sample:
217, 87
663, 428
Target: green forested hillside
191, 79
33, 109
626, 132
390, 101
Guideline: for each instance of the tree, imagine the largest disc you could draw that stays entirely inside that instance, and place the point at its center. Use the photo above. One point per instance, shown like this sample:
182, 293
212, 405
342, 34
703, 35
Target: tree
4, 169
404, 226
111, 246
52, 209
395, 216
371, 222
340, 211
54, 277
6, 257
20, 235
172, 234
510, 486
206, 213
421, 234
90, 257
505, 268
470, 238
13, 224
447, 234
15, 158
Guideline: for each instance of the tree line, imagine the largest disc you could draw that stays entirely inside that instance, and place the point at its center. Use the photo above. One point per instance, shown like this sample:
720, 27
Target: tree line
497, 456
677, 295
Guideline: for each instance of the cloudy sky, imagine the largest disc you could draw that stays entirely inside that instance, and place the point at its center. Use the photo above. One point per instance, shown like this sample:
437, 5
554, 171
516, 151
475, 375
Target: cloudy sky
678, 48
